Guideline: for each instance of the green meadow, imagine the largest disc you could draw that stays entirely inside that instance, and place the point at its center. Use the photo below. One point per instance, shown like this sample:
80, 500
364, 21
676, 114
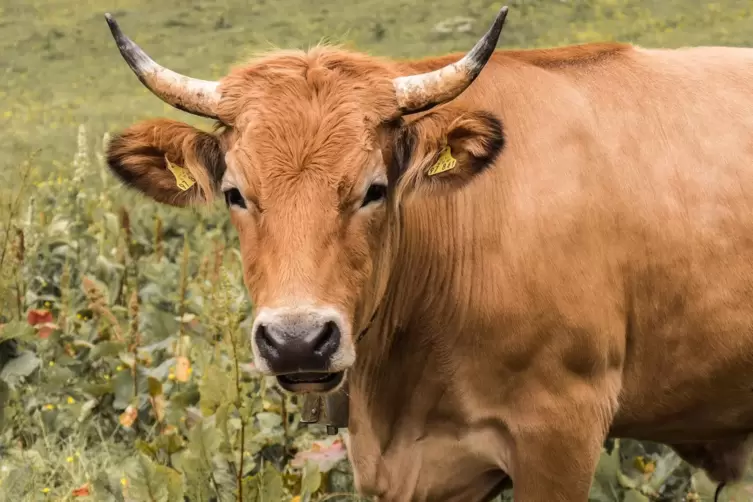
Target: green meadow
125, 375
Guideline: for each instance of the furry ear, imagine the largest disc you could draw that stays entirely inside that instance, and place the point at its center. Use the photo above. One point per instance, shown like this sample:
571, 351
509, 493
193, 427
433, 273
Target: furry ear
171, 162
437, 155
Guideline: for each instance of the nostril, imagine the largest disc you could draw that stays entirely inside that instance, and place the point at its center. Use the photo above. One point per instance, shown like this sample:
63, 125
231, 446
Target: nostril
328, 339
266, 343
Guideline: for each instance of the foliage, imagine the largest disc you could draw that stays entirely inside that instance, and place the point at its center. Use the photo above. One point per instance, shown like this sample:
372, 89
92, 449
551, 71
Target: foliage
125, 375
132, 380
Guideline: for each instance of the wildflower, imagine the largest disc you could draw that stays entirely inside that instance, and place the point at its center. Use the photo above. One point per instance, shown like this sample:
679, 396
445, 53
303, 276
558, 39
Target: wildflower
183, 371
128, 416
52, 363
81, 491
71, 400
49, 406
119, 367
45, 490
69, 459
123, 481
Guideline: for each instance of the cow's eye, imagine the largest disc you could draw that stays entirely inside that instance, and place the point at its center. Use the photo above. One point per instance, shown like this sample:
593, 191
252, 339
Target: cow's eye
376, 192
233, 197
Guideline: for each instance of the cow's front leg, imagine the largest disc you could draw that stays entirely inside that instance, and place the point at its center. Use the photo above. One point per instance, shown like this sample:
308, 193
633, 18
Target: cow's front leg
557, 450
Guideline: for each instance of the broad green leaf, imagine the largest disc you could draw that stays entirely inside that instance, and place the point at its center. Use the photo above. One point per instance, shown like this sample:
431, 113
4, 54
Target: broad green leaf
268, 421
107, 348
635, 496
20, 330
154, 386
57, 377
123, 387
271, 484
216, 387
604, 487
153, 482
20, 367
311, 479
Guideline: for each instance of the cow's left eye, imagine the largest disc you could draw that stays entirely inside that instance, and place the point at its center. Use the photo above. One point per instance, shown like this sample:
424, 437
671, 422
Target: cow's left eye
233, 197
376, 192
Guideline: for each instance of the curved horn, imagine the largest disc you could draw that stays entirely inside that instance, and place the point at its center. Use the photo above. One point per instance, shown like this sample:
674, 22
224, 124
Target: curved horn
417, 93
191, 95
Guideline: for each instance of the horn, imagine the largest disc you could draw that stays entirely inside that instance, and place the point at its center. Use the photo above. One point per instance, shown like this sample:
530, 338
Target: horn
417, 93
199, 97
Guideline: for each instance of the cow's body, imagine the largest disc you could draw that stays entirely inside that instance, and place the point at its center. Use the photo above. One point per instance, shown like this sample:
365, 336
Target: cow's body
584, 269
604, 265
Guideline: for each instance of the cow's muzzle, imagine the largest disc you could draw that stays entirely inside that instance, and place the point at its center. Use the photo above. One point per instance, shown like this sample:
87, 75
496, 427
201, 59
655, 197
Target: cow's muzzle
304, 348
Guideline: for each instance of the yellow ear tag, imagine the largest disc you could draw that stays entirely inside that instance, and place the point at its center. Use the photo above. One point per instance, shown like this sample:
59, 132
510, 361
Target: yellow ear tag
445, 162
183, 178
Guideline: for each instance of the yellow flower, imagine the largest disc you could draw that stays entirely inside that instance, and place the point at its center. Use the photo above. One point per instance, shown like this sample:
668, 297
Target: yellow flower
123, 481
69, 459
119, 367
45, 490
52, 363
49, 406
71, 400
171, 376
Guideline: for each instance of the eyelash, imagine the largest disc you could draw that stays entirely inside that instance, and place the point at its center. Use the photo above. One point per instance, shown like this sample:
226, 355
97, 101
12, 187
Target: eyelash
233, 197
375, 193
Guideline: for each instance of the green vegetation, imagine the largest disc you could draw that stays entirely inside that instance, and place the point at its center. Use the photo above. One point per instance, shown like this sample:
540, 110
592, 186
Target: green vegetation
132, 381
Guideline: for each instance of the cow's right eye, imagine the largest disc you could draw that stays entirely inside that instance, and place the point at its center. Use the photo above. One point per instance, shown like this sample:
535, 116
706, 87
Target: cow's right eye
233, 197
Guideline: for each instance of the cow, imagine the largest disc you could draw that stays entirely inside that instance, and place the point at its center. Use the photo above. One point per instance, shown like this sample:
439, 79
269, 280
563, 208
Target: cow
509, 256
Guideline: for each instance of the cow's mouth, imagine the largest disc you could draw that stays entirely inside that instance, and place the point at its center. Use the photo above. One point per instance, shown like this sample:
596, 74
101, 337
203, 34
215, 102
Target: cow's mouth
310, 381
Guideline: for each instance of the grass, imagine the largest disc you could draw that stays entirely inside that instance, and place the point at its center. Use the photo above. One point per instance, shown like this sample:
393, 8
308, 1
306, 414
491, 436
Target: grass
130, 380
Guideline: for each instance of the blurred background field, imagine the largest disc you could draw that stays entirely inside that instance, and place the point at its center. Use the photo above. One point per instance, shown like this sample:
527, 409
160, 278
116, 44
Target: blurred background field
127, 378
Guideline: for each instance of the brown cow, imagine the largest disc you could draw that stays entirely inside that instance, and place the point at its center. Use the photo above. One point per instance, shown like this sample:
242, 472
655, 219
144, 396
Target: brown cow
578, 266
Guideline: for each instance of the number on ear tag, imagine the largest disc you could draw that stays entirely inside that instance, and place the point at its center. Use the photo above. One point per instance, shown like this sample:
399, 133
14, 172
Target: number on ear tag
445, 162
183, 178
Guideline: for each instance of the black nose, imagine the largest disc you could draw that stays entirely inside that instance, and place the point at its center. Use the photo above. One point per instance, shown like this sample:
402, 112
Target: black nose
293, 347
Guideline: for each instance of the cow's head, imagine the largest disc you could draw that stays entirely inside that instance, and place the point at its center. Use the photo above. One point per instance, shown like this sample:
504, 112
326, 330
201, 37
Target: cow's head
313, 158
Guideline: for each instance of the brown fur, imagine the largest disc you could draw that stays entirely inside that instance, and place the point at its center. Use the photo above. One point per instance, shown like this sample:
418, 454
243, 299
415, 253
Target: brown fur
585, 272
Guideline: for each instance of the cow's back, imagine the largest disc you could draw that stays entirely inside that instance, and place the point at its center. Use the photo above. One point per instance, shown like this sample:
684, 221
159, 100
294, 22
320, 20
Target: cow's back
622, 205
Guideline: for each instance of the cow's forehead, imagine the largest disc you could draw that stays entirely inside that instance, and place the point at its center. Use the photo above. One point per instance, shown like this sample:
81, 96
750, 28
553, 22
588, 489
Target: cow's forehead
302, 152
320, 86
300, 122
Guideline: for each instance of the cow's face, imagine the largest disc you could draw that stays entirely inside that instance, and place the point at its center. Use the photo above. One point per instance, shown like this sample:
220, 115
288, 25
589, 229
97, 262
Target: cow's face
313, 159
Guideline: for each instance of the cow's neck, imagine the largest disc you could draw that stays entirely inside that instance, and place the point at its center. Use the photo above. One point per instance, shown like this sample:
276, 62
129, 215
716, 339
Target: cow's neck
405, 406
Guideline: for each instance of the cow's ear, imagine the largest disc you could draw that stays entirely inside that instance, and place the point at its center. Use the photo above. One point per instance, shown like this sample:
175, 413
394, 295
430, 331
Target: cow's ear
171, 162
437, 154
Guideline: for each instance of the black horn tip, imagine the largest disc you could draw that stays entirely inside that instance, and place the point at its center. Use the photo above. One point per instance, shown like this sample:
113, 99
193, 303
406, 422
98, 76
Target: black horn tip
111, 21
484, 49
114, 28
496, 28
